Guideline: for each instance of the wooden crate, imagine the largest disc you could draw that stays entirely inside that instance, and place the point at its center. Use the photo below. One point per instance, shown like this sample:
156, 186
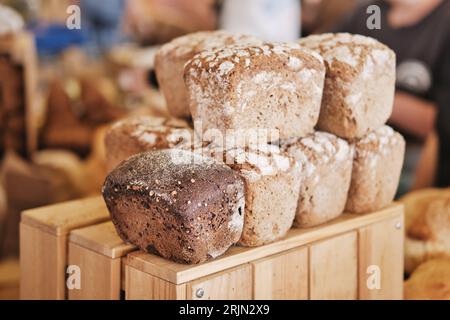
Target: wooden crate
343, 259
95, 248
43, 245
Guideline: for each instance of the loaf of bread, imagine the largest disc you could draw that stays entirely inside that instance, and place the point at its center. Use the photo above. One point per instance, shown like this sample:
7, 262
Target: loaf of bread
256, 89
428, 236
140, 134
171, 58
376, 170
431, 281
327, 169
360, 82
10, 21
183, 206
272, 182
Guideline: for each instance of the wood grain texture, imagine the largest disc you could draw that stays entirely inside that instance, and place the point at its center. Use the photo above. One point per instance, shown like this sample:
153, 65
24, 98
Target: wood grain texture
142, 286
100, 275
334, 268
234, 284
381, 246
282, 277
60, 219
101, 238
42, 264
180, 273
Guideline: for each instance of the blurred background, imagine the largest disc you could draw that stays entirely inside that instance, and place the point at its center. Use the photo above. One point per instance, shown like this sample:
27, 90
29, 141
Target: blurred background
60, 86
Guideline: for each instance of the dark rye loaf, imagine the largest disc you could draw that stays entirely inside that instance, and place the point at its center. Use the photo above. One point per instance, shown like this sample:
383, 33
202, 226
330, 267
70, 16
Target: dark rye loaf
183, 206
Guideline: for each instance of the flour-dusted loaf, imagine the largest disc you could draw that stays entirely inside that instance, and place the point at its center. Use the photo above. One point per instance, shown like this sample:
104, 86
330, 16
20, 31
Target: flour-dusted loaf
272, 87
140, 134
360, 82
376, 170
327, 169
272, 182
186, 207
171, 58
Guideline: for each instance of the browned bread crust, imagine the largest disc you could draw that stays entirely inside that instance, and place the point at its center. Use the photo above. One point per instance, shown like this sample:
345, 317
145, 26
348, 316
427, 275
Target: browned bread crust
183, 206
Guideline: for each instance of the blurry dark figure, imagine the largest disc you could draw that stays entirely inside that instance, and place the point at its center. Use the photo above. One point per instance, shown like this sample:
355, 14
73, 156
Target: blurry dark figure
102, 21
320, 16
419, 33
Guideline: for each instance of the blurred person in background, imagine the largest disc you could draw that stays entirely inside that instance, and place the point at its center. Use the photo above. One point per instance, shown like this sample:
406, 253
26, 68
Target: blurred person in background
319, 16
419, 33
270, 20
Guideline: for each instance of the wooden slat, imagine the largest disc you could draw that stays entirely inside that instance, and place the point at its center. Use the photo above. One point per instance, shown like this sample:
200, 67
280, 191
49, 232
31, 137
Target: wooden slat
42, 264
100, 275
334, 268
179, 273
103, 239
142, 286
60, 219
282, 277
234, 284
381, 246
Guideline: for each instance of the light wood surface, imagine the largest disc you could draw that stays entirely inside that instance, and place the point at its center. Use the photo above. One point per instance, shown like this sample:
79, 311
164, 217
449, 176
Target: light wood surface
42, 264
381, 250
103, 239
234, 284
100, 275
334, 268
142, 286
180, 273
60, 219
98, 251
43, 244
282, 277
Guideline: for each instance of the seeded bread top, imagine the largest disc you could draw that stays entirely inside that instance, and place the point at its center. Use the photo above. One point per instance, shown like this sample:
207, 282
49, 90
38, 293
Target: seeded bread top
319, 149
10, 20
173, 178
219, 64
358, 52
194, 43
219, 74
153, 131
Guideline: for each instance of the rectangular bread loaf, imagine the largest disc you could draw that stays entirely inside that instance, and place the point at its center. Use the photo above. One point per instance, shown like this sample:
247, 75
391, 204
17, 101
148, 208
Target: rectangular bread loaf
140, 134
268, 87
327, 168
359, 86
272, 182
171, 58
183, 206
376, 170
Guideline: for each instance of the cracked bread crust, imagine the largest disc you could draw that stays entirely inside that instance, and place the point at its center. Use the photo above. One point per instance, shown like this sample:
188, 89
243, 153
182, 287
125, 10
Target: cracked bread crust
359, 86
376, 170
140, 134
327, 168
271, 87
171, 58
185, 207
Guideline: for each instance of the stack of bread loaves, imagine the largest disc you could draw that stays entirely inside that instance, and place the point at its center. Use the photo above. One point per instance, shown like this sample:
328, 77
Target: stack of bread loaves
357, 102
262, 166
